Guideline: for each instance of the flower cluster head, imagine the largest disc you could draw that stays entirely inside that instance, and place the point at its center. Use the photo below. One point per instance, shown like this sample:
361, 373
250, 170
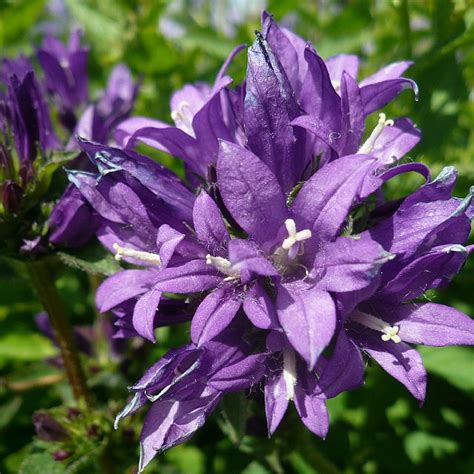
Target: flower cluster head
31, 148
279, 246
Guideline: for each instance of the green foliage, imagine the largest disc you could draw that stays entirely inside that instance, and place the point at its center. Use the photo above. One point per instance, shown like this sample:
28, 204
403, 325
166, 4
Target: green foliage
376, 429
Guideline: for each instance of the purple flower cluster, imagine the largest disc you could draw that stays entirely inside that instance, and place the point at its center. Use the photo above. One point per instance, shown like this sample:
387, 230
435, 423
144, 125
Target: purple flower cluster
28, 140
279, 247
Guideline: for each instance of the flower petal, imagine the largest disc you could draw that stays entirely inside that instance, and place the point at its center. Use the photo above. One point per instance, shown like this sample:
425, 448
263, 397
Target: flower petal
247, 258
250, 192
313, 412
324, 201
214, 314
348, 264
318, 96
430, 270
353, 119
344, 370
209, 224
377, 95
433, 324
171, 422
308, 318
259, 308
191, 277
122, 286
239, 375
400, 361
269, 108
276, 401
339, 63
144, 314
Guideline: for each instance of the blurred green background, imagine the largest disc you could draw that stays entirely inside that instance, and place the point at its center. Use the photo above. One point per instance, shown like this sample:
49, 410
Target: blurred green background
376, 429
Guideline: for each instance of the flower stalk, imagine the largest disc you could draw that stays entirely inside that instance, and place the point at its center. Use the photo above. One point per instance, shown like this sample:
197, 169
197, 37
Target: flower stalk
44, 285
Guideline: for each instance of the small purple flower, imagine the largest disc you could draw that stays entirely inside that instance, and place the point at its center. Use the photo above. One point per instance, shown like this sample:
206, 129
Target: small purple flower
65, 70
186, 385
202, 115
426, 232
73, 221
99, 120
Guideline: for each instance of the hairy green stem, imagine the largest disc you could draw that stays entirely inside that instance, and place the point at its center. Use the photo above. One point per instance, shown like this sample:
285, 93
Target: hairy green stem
41, 278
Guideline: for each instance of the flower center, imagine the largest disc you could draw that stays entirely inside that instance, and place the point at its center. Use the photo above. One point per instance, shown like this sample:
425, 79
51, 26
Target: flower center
147, 257
390, 333
369, 144
183, 118
289, 372
292, 246
224, 266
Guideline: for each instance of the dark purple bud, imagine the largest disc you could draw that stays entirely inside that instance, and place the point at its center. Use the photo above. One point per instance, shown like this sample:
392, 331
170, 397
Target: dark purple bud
11, 196
30, 118
61, 455
47, 428
93, 431
72, 222
73, 413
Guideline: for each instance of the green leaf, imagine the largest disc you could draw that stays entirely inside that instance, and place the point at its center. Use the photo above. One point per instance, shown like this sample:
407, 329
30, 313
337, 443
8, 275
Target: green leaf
9, 410
25, 347
420, 444
188, 459
92, 259
234, 416
106, 24
40, 463
453, 364
255, 468
47, 170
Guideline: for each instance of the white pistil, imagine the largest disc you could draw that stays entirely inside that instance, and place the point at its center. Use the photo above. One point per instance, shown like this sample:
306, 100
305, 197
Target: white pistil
369, 144
224, 266
293, 236
390, 333
289, 372
147, 257
182, 117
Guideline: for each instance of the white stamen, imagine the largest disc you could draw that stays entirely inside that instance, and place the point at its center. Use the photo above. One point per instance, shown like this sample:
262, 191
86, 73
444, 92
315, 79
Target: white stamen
369, 144
293, 236
390, 333
183, 118
289, 372
147, 257
224, 266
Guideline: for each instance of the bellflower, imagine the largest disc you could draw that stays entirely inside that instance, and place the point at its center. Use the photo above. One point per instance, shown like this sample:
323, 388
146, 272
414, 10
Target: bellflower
186, 385
333, 105
202, 115
26, 130
426, 232
271, 243
73, 222
65, 70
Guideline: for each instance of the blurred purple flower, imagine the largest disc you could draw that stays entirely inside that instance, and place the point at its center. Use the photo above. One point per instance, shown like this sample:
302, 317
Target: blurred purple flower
65, 70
